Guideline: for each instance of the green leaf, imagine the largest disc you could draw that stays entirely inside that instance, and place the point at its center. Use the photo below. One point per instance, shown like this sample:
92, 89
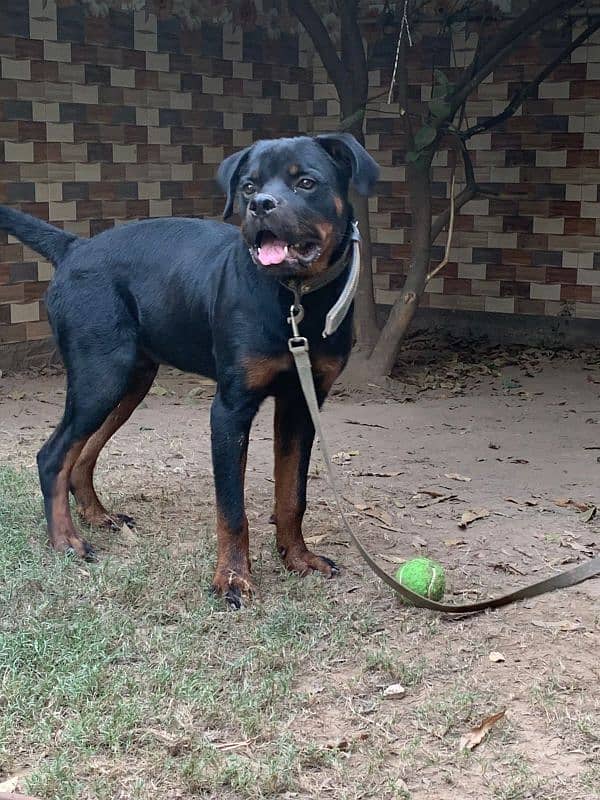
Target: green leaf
412, 156
425, 136
439, 90
439, 108
440, 77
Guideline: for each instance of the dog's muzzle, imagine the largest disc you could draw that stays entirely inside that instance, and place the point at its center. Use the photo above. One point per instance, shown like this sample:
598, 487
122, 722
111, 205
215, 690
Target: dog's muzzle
270, 248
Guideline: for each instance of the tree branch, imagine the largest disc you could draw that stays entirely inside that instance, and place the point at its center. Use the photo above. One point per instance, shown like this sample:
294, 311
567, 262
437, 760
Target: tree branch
526, 91
440, 222
402, 82
471, 190
313, 25
353, 50
507, 41
446, 257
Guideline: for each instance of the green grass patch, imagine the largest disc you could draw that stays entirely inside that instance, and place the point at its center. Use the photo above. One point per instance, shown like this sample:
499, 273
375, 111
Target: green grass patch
132, 663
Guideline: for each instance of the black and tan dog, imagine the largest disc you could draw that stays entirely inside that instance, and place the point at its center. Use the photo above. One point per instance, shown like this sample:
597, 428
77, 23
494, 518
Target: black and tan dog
207, 299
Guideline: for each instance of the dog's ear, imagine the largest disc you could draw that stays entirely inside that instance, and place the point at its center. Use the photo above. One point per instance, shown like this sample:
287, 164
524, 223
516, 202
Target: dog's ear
352, 157
228, 176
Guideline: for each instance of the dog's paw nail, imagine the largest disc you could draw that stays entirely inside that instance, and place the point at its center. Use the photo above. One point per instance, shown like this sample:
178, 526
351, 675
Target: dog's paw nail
233, 598
335, 570
89, 552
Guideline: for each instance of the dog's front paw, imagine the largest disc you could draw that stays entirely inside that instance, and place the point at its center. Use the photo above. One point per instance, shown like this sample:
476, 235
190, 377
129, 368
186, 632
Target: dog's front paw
304, 562
236, 589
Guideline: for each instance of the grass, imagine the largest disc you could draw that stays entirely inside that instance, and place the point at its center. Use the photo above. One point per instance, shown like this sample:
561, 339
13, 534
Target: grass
133, 661
124, 678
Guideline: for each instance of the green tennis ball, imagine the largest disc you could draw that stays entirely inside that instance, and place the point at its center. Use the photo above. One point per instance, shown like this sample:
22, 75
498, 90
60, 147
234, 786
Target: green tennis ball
423, 576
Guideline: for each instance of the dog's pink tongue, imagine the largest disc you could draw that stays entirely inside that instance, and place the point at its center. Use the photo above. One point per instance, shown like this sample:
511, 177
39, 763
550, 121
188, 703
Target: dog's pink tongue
272, 252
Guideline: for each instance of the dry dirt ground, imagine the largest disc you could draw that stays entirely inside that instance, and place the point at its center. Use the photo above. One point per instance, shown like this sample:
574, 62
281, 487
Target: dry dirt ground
511, 431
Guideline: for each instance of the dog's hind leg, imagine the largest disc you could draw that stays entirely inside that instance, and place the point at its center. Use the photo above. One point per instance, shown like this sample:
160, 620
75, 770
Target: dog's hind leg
89, 505
96, 381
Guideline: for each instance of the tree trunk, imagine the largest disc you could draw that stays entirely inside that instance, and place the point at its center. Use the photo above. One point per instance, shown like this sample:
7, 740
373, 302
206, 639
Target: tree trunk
353, 106
386, 350
365, 318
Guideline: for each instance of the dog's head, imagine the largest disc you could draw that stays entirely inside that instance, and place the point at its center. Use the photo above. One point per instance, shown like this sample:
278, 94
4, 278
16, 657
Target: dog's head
293, 198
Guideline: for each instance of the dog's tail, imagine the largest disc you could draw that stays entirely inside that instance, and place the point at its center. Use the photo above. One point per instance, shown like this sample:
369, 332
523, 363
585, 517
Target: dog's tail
45, 239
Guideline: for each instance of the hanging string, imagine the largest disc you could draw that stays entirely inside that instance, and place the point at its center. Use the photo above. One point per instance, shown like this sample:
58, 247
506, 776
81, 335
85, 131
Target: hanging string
404, 26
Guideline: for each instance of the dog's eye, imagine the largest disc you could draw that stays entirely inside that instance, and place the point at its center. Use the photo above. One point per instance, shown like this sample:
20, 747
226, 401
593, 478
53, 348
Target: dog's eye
249, 188
305, 183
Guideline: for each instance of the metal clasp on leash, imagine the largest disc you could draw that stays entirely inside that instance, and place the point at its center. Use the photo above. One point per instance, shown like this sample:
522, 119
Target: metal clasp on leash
297, 343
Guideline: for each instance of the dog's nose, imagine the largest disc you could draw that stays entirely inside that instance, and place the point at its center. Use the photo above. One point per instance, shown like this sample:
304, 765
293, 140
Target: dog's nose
262, 204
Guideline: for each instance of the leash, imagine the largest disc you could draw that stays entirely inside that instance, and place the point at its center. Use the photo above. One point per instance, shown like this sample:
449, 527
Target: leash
299, 349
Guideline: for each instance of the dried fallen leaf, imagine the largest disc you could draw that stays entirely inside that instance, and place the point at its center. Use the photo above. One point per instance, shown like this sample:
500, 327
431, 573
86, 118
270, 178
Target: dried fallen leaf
455, 476
159, 391
394, 691
472, 515
343, 457
345, 744
567, 502
573, 545
454, 542
565, 626
379, 514
430, 492
365, 424
371, 474
315, 539
383, 519
589, 515
441, 499
476, 735
385, 557
496, 657
418, 541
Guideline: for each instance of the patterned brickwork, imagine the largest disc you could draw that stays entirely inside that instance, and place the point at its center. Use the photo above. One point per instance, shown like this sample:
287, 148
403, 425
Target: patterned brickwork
108, 119
536, 248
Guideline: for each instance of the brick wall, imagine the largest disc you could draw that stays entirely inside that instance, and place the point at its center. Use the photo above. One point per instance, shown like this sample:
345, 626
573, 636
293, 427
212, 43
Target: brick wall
535, 250
108, 119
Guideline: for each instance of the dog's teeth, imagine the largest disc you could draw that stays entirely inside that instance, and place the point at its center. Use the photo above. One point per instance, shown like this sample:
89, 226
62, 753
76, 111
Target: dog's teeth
286, 250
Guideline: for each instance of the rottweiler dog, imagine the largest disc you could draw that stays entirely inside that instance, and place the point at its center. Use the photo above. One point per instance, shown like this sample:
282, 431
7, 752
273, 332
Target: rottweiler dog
212, 299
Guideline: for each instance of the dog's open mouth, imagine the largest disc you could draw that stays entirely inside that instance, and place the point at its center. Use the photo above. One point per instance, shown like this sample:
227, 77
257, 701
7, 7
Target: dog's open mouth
270, 251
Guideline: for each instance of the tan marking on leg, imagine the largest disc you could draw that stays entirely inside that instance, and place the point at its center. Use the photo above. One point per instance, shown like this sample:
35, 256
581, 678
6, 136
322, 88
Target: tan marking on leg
326, 370
89, 505
61, 530
288, 510
262, 370
233, 570
339, 205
